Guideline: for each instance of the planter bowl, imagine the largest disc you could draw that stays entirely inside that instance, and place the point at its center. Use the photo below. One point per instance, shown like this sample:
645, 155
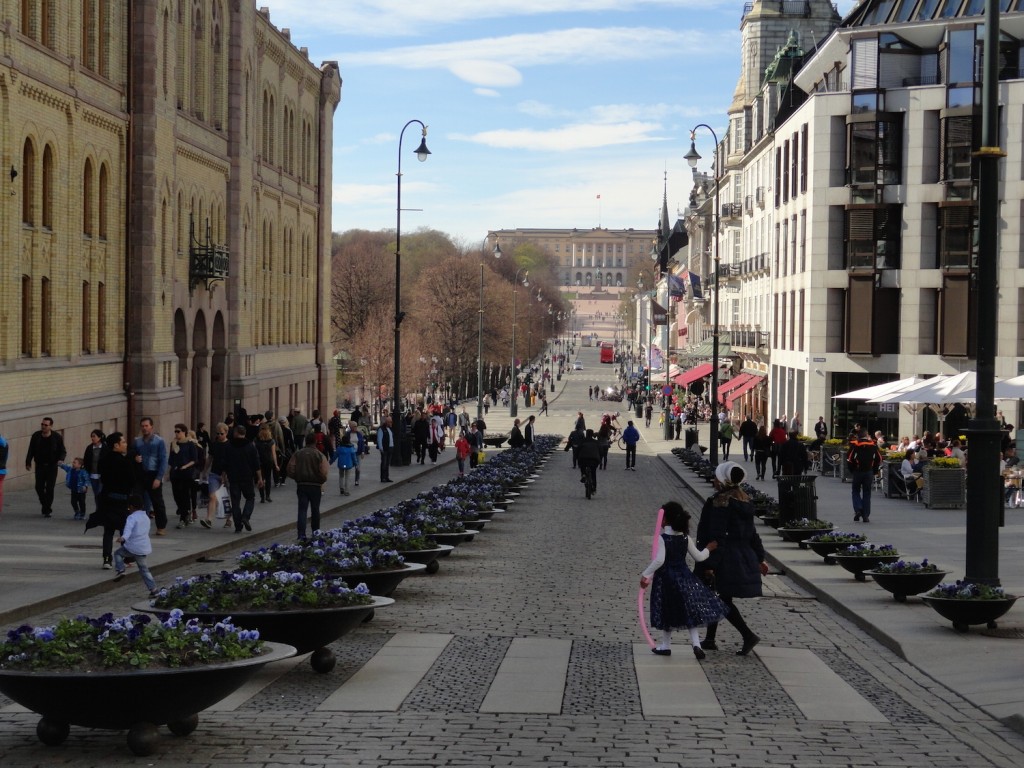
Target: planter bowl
797, 535
828, 548
858, 564
903, 584
383, 582
137, 699
963, 613
454, 539
308, 630
427, 557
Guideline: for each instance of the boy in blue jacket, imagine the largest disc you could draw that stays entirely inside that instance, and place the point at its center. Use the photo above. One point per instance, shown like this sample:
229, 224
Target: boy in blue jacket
77, 480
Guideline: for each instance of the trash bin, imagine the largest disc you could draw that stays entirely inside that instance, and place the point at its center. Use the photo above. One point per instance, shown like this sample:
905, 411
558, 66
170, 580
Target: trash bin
670, 425
692, 437
798, 497
639, 410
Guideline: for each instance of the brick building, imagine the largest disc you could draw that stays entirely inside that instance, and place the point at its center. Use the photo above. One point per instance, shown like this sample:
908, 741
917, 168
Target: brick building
166, 226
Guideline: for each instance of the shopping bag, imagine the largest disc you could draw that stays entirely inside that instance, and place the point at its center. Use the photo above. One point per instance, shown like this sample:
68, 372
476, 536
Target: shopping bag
481, 457
223, 502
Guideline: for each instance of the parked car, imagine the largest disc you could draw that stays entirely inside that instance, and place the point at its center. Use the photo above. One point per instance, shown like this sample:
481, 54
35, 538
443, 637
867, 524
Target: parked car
577, 365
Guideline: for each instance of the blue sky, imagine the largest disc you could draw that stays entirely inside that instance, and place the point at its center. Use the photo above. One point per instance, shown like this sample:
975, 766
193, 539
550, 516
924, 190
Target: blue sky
534, 107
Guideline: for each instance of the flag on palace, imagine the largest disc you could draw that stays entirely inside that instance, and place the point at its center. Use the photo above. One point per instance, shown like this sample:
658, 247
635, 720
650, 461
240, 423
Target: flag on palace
695, 285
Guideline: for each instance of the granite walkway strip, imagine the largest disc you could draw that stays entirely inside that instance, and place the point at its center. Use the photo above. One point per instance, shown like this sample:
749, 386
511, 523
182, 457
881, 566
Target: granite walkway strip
531, 678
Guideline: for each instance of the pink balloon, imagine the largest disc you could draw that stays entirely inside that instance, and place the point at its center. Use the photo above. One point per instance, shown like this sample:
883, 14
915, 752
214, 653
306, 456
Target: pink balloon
640, 595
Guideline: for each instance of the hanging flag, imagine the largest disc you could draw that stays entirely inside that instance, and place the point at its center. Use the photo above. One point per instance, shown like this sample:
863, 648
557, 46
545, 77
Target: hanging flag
695, 285
659, 315
676, 286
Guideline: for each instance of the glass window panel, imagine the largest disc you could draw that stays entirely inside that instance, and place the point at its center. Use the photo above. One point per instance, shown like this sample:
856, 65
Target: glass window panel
927, 9
950, 8
905, 9
960, 97
974, 8
865, 102
961, 56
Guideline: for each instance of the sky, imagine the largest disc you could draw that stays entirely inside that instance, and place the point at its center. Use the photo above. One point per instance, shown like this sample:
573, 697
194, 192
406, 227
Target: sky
540, 113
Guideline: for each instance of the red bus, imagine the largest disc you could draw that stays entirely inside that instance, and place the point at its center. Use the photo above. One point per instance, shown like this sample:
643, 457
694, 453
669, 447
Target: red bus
607, 353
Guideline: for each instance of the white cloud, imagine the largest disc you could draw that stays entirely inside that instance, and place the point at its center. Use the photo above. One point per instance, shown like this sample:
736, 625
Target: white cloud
489, 92
396, 18
570, 137
486, 73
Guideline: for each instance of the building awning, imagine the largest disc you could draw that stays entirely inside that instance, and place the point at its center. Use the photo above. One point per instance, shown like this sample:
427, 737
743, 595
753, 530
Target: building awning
742, 389
706, 349
690, 376
731, 384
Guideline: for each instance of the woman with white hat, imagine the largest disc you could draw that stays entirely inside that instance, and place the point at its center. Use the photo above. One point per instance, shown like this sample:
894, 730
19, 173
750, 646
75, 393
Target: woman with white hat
735, 568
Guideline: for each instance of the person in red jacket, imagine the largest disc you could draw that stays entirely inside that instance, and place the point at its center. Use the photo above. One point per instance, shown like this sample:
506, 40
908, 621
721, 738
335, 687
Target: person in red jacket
462, 452
778, 437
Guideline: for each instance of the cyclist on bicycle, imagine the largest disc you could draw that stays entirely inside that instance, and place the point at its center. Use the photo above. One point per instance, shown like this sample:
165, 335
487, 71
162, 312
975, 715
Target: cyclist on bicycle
588, 457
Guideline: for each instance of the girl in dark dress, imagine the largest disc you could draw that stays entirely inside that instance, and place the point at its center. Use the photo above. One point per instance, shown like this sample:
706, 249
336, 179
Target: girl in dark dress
737, 565
678, 599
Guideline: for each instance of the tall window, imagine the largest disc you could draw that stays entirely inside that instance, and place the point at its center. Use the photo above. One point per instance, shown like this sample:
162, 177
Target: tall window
47, 23
86, 322
28, 184
87, 198
103, 201
958, 228
45, 313
873, 236
47, 185
28, 18
26, 316
958, 136
873, 152
101, 318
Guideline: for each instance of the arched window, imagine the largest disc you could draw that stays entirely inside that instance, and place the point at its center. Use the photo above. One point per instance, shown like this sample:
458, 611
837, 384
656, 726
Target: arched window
590, 278
181, 43
271, 155
103, 201
87, 199
28, 184
265, 138
286, 141
86, 321
48, 187
579, 278
217, 85
47, 24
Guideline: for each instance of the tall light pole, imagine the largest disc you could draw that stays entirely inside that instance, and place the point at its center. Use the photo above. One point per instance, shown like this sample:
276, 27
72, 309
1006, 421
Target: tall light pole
692, 157
984, 507
480, 332
513, 408
396, 410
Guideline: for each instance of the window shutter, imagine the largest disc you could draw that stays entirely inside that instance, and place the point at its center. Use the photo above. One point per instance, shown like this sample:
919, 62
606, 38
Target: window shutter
865, 63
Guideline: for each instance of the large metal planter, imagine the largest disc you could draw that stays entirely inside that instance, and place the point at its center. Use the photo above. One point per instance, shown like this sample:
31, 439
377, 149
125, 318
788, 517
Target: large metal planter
383, 582
944, 487
138, 700
309, 629
903, 584
963, 613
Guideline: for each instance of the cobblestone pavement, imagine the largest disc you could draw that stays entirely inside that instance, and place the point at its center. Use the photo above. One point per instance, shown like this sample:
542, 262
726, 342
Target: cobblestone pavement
557, 566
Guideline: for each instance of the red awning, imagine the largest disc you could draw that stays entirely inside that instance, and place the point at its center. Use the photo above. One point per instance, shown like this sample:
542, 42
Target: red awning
686, 379
734, 382
742, 389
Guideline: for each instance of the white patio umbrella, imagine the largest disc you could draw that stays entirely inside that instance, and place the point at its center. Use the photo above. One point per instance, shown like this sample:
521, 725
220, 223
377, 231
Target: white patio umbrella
938, 390
1010, 389
878, 390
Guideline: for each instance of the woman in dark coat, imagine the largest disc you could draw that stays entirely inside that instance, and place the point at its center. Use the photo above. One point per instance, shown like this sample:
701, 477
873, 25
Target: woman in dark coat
735, 568
117, 476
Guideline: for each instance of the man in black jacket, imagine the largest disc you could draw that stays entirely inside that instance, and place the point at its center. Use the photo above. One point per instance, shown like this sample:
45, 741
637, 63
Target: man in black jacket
46, 449
589, 456
748, 431
242, 468
793, 456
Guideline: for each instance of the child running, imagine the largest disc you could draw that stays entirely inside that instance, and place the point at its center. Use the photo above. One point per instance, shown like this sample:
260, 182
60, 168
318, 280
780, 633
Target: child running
678, 599
134, 541
78, 483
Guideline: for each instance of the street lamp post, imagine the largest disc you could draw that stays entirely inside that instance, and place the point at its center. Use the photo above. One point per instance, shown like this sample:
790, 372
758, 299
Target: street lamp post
691, 158
480, 332
396, 411
513, 408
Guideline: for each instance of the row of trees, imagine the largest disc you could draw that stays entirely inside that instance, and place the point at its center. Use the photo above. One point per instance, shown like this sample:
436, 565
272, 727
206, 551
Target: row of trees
441, 302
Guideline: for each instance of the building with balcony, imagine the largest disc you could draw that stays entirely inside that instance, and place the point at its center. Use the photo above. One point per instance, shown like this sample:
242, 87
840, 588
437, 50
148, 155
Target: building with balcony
167, 216
860, 145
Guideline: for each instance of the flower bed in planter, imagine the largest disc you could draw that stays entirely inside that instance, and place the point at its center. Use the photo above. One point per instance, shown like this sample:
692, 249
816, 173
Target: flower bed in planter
859, 558
965, 604
904, 577
128, 673
804, 528
830, 542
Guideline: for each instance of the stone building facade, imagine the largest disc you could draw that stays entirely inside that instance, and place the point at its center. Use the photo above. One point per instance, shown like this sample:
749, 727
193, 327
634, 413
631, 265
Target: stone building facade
166, 228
